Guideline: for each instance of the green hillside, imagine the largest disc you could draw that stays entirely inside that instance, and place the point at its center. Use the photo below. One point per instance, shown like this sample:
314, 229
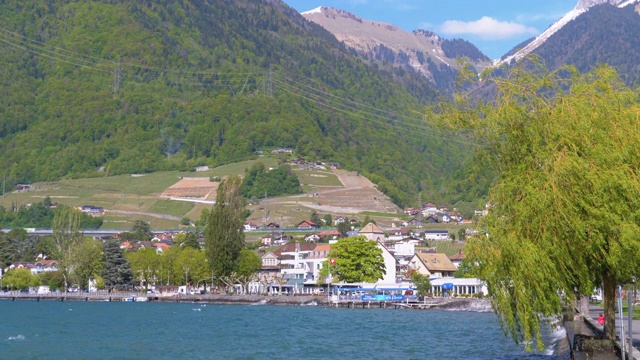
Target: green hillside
95, 88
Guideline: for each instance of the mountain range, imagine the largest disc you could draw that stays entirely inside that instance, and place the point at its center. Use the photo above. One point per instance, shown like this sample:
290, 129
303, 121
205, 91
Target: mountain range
595, 31
422, 51
97, 88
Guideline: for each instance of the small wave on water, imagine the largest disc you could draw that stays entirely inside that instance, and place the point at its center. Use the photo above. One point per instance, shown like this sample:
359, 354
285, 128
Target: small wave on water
311, 303
196, 309
261, 302
16, 338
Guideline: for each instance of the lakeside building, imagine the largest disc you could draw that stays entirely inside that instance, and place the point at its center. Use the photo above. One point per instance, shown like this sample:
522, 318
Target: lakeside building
458, 287
36, 267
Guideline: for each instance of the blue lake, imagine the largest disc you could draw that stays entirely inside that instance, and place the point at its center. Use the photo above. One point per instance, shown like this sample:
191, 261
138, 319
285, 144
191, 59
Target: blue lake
105, 330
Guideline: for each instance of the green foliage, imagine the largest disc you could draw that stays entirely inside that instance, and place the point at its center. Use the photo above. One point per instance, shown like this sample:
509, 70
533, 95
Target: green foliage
315, 218
224, 235
190, 266
85, 261
53, 279
259, 181
116, 273
344, 227
19, 279
564, 206
356, 260
145, 265
328, 220
422, 283
191, 241
65, 237
465, 270
182, 98
17, 246
40, 215
248, 262
142, 230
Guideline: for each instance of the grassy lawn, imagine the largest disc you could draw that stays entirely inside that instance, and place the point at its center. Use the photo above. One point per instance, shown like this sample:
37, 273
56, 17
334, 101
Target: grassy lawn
318, 178
171, 207
447, 247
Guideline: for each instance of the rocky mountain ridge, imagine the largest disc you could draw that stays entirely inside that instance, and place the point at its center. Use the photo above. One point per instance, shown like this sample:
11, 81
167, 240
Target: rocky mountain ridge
422, 51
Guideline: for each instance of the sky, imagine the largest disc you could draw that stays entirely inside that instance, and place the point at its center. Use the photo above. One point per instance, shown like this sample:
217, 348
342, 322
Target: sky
494, 26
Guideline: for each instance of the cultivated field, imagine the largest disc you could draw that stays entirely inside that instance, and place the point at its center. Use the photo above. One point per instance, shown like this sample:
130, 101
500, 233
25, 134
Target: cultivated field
148, 197
328, 191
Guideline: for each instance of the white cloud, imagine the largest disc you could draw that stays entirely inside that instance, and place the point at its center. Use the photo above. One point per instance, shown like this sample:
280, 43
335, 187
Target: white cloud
487, 28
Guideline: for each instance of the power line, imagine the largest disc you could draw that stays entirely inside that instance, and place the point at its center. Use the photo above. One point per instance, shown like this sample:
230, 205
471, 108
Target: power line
225, 80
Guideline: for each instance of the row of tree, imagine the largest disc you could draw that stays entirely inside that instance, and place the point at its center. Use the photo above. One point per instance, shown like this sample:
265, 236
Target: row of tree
39, 215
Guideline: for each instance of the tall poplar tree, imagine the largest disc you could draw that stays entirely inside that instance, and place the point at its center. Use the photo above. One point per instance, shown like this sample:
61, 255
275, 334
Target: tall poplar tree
66, 235
224, 233
564, 210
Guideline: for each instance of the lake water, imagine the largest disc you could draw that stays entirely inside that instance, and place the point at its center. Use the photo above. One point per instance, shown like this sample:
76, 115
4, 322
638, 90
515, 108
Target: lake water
106, 330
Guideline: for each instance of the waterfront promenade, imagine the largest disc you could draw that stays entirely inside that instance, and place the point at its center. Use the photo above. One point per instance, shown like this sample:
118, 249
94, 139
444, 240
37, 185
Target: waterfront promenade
596, 310
470, 304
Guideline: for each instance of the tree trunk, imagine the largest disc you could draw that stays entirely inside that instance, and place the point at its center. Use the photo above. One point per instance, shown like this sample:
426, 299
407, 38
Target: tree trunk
609, 298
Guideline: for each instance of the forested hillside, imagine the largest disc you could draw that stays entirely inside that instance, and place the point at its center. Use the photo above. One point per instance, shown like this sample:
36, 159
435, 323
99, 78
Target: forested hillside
604, 34
97, 88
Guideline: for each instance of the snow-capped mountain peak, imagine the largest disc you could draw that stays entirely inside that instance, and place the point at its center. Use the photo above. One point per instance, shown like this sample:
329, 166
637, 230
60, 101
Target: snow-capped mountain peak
582, 7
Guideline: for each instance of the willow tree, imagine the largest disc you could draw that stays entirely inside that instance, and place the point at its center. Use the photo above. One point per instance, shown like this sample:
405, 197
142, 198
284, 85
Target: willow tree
564, 207
224, 233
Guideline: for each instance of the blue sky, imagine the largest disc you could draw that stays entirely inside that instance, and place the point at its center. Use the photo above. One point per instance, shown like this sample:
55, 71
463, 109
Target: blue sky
494, 26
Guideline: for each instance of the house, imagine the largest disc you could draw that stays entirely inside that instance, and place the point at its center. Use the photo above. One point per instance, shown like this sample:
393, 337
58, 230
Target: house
433, 265
339, 220
249, 226
270, 259
372, 232
429, 209
436, 234
457, 258
431, 219
306, 224
23, 187
126, 245
92, 210
312, 238
411, 222
272, 226
398, 234
37, 267
160, 247
411, 211
331, 234
280, 241
266, 240
458, 286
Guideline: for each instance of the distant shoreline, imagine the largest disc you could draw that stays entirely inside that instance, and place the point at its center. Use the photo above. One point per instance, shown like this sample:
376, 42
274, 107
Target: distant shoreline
454, 304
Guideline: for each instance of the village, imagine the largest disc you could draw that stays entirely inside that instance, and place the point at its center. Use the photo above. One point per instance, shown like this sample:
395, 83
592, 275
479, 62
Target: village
291, 267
